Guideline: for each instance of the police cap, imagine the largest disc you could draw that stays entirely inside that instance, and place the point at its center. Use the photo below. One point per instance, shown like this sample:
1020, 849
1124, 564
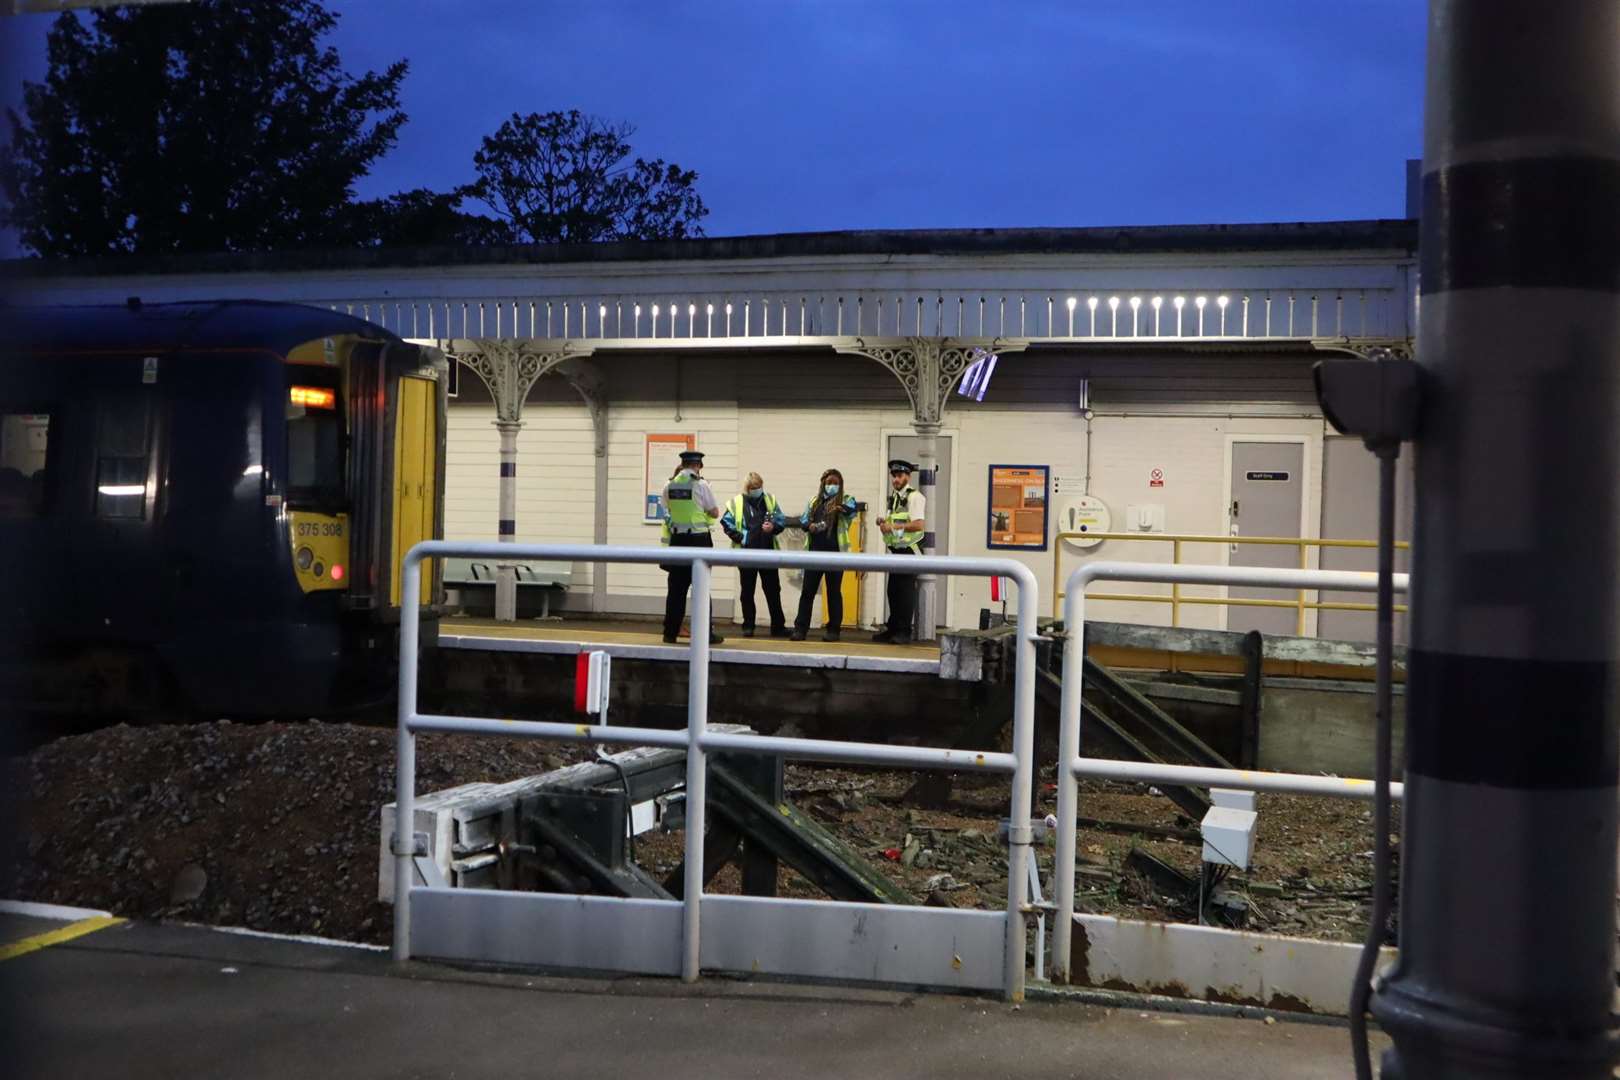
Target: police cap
901, 465
691, 457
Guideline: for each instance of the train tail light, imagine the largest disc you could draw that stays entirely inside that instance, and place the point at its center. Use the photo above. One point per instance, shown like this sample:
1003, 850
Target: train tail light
312, 397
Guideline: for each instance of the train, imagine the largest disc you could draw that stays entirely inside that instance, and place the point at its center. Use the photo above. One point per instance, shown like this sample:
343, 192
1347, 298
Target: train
204, 505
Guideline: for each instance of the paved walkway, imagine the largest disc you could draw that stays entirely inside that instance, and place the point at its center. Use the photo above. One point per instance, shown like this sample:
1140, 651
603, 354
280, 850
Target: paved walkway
141, 1000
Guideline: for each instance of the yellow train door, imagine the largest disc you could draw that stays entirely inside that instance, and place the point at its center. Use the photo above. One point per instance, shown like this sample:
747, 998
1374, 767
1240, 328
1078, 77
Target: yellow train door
850, 586
415, 437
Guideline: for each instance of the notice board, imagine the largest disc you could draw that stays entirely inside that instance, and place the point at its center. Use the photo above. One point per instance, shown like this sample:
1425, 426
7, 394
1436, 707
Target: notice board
1017, 514
662, 458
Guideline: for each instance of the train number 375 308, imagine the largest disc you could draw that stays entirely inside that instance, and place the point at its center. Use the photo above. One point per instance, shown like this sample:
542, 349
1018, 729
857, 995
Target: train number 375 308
320, 528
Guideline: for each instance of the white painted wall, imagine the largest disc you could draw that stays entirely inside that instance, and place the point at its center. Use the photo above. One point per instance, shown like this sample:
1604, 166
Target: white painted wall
789, 416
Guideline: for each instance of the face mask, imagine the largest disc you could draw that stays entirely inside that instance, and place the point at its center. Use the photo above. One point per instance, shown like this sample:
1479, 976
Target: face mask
756, 493
831, 489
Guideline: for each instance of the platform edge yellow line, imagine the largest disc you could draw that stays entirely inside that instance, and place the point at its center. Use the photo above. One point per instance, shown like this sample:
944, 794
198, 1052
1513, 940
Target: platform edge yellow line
55, 937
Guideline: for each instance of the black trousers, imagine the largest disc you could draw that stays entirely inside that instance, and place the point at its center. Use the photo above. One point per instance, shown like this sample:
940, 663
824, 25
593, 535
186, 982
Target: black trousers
835, 598
680, 580
772, 583
902, 590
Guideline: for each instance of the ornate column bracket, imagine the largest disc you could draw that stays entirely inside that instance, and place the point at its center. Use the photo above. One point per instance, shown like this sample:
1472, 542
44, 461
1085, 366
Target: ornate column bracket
928, 368
590, 383
511, 367
1368, 348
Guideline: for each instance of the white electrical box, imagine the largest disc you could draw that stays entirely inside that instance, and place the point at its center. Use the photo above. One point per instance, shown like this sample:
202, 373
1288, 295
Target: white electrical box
1232, 798
1228, 836
592, 677
1144, 517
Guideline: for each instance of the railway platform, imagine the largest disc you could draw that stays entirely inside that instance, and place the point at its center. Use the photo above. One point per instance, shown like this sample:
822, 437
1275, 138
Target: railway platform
644, 641
156, 1000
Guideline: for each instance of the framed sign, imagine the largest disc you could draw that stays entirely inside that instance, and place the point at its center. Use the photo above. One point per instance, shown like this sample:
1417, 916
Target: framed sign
1017, 513
662, 457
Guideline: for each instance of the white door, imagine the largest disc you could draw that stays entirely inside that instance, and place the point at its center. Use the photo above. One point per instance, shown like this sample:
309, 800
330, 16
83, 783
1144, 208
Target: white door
1268, 490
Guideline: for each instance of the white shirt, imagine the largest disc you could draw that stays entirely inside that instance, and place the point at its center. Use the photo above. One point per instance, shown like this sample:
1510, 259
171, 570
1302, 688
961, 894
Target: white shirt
916, 505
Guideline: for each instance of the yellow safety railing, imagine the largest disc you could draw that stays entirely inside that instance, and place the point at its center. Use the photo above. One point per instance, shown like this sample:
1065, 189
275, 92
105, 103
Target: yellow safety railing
1177, 540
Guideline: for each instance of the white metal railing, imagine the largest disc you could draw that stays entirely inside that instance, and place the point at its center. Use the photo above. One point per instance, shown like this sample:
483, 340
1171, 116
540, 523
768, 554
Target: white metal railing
1071, 766
698, 742
1053, 313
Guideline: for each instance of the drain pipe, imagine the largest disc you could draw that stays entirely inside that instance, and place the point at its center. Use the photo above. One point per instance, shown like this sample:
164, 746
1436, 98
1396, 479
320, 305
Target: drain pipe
1507, 929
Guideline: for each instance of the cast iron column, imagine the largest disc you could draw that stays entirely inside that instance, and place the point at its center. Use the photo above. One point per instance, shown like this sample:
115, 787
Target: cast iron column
506, 524
510, 367
1507, 875
926, 615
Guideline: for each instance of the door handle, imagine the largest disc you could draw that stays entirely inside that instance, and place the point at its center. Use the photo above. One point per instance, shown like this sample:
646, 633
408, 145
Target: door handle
1234, 532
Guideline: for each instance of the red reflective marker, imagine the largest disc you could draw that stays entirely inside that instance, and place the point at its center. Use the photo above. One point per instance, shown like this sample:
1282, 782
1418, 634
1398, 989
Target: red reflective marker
582, 680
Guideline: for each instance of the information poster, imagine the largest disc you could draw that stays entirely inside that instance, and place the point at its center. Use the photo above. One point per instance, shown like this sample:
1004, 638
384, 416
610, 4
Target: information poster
1018, 497
663, 458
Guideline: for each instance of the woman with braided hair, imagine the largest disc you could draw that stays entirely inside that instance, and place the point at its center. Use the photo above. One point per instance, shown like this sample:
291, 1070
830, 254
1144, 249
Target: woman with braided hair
827, 522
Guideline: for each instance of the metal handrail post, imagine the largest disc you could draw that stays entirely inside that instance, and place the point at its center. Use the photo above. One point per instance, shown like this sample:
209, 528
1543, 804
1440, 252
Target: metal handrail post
1019, 832
1057, 573
1073, 686
1299, 618
697, 719
410, 622
1175, 589
1068, 785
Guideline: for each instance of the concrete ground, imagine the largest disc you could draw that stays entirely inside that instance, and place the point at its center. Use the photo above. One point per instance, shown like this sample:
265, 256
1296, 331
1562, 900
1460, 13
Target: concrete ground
139, 1000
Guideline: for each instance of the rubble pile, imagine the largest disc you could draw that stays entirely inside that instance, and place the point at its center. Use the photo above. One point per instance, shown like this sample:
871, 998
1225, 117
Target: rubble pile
275, 827
272, 827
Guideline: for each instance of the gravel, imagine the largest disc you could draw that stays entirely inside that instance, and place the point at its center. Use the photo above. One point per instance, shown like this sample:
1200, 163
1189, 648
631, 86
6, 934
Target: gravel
275, 827
269, 826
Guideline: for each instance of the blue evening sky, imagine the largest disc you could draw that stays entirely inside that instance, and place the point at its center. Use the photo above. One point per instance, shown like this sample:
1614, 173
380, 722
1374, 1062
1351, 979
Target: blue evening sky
854, 114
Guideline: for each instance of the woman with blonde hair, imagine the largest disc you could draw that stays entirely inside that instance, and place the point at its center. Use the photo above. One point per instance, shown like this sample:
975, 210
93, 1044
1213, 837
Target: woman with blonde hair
754, 520
828, 521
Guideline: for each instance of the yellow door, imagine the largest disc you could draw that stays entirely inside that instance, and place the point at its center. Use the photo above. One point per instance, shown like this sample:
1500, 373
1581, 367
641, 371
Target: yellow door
415, 439
850, 587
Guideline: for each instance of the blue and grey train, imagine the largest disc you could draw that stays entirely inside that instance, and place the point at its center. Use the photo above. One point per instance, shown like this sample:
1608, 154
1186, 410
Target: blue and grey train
203, 506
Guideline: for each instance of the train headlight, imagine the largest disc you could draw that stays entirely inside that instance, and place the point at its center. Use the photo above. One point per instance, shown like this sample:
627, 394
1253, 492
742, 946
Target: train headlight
320, 568
305, 557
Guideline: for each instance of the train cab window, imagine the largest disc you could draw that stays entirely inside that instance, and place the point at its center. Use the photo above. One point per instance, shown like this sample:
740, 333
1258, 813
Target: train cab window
123, 439
24, 463
314, 444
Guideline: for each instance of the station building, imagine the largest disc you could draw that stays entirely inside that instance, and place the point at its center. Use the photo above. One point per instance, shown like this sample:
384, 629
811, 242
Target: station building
1147, 381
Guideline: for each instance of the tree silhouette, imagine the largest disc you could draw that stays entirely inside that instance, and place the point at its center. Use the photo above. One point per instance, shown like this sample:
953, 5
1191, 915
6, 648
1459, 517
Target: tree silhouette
561, 177
220, 125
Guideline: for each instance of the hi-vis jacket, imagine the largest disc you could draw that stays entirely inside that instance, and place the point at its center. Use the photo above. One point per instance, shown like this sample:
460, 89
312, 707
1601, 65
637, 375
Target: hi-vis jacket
682, 513
846, 519
899, 514
734, 521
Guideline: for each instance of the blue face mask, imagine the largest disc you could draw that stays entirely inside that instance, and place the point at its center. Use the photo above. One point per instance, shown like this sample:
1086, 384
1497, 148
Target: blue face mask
831, 489
756, 493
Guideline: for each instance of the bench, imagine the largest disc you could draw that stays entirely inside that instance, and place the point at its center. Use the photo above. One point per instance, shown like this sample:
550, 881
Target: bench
470, 585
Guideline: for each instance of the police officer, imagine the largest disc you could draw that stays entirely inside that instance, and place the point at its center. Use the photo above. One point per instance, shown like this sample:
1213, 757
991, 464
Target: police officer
688, 509
754, 520
902, 527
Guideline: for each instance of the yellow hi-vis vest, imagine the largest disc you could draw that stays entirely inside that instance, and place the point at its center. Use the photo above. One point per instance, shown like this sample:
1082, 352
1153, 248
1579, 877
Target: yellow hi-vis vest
846, 521
739, 512
898, 516
683, 515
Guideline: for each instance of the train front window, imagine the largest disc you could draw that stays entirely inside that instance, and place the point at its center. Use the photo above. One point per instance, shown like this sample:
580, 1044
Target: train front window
314, 444
24, 443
